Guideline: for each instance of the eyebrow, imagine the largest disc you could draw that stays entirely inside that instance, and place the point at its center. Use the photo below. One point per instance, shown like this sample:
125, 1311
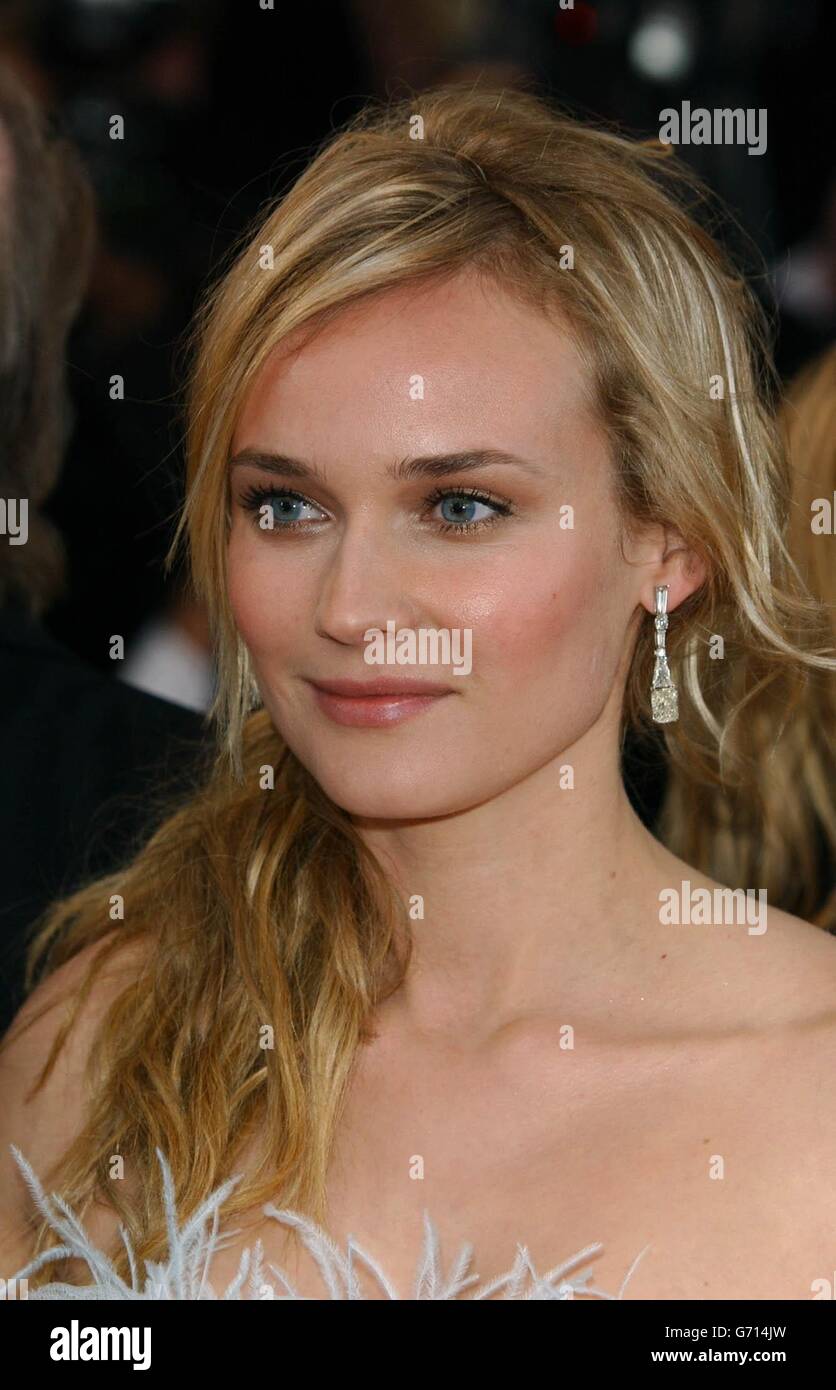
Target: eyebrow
406, 470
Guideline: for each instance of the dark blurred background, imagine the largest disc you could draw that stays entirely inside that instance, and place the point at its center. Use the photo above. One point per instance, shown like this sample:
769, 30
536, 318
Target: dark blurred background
223, 101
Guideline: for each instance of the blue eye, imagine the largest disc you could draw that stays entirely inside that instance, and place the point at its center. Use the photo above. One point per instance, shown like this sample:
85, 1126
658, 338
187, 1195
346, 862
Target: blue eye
286, 509
459, 509
278, 509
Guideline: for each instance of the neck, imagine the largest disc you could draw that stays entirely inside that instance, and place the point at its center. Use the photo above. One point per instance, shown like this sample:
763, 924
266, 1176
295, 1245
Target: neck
531, 901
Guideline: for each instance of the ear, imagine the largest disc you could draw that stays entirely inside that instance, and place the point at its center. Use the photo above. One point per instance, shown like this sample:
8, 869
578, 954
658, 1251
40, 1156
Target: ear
679, 566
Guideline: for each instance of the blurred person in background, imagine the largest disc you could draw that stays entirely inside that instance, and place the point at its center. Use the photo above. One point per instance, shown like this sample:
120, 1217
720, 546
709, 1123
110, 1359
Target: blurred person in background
171, 654
82, 755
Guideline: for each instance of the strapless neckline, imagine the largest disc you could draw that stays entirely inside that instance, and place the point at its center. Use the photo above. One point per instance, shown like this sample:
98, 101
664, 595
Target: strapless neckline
193, 1242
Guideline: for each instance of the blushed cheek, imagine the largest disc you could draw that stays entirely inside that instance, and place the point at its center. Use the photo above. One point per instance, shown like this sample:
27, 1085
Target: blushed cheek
539, 622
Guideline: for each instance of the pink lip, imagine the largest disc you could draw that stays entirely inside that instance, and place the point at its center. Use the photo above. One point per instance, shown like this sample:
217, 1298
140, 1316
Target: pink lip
374, 703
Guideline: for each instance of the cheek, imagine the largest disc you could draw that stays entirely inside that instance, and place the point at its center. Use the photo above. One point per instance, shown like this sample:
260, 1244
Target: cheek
262, 609
547, 618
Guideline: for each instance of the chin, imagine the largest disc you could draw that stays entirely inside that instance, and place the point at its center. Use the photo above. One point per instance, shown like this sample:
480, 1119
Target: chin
394, 789
384, 798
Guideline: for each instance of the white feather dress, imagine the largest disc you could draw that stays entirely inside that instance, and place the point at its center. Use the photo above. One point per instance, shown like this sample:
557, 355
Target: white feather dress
192, 1245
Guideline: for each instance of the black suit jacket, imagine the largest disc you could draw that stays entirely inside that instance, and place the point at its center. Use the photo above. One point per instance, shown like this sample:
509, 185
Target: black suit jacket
80, 755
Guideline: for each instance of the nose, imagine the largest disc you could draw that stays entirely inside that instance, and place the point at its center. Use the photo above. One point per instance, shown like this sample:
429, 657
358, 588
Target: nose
365, 585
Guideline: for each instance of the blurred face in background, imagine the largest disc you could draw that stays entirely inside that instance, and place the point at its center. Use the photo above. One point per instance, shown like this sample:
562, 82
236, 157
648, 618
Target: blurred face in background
374, 521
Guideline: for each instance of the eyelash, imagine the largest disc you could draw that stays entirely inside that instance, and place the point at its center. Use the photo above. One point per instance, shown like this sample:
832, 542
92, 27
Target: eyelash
258, 495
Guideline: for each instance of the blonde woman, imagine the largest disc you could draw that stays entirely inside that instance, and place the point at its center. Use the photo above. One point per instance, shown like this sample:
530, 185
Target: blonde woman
410, 950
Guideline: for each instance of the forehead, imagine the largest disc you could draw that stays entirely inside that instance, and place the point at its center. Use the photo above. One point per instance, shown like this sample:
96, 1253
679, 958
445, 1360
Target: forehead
455, 357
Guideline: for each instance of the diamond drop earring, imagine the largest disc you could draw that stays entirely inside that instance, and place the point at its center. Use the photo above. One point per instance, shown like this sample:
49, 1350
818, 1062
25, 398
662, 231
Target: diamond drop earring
664, 701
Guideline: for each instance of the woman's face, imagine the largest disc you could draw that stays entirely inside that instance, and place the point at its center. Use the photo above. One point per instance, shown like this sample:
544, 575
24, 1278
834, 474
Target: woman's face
373, 524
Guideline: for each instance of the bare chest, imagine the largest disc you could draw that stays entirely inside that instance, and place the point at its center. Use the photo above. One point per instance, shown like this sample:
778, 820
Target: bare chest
713, 1172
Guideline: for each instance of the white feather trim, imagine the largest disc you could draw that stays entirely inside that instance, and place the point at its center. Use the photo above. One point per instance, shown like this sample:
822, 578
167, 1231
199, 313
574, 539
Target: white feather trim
192, 1246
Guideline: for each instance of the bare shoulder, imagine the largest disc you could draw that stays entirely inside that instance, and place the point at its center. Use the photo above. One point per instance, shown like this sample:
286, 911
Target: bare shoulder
42, 1120
804, 965
773, 968
796, 1076
801, 961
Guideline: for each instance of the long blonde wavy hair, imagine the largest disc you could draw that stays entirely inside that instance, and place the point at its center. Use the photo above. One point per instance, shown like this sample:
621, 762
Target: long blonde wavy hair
266, 907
